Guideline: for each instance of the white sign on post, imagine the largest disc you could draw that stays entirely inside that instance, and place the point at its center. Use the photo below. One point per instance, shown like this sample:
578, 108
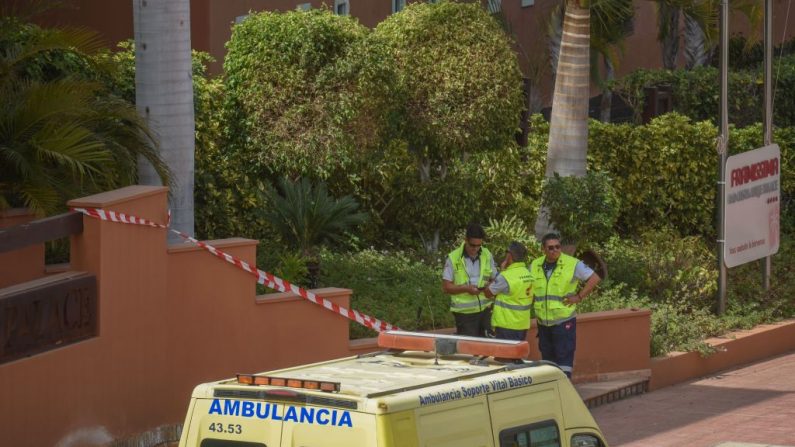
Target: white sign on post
752, 205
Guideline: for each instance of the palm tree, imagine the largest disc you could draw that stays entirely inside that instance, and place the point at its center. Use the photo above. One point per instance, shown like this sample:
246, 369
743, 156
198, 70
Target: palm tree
61, 135
701, 27
306, 217
607, 43
668, 14
568, 132
607, 37
164, 96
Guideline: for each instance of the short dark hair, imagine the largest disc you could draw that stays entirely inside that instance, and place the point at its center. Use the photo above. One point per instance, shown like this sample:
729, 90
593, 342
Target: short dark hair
475, 231
517, 251
550, 236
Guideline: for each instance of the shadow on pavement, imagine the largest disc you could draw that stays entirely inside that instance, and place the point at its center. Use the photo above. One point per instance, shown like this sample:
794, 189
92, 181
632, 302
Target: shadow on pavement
676, 407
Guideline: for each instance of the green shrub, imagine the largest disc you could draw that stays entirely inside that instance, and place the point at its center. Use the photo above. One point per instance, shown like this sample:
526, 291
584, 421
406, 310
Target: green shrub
676, 278
674, 327
389, 286
664, 172
306, 92
459, 96
696, 93
501, 232
305, 216
750, 138
483, 186
665, 267
748, 303
459, 76
744, 55
583, 209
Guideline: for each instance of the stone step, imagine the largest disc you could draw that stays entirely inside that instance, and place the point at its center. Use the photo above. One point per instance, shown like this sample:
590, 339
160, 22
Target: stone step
602, 392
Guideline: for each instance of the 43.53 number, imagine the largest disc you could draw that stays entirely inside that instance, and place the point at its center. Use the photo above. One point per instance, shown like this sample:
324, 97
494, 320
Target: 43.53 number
218, 427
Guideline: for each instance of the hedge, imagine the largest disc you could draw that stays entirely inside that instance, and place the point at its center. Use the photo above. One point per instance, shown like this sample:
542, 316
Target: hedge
696, 93
666, 172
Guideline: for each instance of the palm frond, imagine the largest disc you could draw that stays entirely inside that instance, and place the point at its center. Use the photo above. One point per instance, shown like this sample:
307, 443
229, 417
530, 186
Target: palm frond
71, 146
706, 14
80, 40
306, 216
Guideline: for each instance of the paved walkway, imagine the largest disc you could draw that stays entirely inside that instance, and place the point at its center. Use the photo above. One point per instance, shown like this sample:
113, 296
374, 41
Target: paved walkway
751, 404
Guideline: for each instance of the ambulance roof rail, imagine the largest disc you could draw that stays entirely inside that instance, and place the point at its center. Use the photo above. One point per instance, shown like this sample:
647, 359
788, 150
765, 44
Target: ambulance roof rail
530, 364
453, 344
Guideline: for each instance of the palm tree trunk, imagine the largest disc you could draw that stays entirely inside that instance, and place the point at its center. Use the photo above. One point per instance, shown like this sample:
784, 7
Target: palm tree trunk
697, 53
555, 31
568, 127
164, 96
425, 169
668, 18
607, 94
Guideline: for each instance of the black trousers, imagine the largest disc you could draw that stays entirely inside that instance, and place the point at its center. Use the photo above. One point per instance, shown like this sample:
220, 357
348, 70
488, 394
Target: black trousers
557, 344
510, 334
473, 325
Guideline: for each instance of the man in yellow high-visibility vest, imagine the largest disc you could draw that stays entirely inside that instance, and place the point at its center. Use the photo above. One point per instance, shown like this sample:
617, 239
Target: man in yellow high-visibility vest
467, 271
555, 279
511, 294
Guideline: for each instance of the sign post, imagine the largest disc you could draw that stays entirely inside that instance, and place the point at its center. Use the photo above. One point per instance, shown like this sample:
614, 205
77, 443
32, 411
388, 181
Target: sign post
768, 104
723, 146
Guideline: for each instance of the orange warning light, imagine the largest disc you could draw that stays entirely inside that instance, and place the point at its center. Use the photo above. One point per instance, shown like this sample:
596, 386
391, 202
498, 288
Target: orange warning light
453, 344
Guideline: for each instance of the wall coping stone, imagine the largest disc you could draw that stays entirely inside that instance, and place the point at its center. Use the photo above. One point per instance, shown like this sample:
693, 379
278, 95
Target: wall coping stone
117, 196
281, 297
183, 247
363, 344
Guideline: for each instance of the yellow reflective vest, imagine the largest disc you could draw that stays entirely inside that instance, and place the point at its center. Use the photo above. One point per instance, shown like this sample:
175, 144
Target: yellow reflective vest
463, 302
512, 311
548, 294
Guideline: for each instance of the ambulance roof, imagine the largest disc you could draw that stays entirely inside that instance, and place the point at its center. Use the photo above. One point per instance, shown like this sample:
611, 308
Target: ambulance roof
375, 382
388, 373
419, 368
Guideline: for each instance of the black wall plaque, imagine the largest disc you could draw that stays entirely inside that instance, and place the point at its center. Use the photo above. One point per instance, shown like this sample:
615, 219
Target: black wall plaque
47, 314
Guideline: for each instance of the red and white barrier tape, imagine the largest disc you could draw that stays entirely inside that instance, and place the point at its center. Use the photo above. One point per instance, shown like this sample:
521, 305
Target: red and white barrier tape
264, 278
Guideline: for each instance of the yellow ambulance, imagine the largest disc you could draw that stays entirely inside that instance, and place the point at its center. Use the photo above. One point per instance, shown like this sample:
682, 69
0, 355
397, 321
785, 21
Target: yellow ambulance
422, 390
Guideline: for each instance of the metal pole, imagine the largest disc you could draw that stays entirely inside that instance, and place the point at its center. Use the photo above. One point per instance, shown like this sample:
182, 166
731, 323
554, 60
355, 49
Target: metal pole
723, 143
766, 264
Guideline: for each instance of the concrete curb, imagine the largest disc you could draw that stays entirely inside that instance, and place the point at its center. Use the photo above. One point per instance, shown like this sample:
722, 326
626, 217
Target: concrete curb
734, 349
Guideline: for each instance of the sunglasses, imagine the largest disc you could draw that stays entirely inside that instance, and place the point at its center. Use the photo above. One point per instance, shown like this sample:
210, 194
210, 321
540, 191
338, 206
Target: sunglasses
474, 245
553, 247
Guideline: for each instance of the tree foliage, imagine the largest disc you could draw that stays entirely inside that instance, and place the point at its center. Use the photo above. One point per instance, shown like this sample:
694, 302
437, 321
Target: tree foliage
664, 172
62, 133
584, 209
459, 77
306, 91
696, 94
306, 216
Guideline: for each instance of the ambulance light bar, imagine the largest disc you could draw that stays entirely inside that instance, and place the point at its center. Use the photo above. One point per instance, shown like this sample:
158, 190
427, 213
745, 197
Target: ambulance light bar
453, 344
253, 379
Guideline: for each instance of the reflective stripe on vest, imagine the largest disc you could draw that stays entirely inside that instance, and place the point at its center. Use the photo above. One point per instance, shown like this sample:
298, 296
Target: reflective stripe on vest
465, 303
549, 293
512, 311
513, 306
